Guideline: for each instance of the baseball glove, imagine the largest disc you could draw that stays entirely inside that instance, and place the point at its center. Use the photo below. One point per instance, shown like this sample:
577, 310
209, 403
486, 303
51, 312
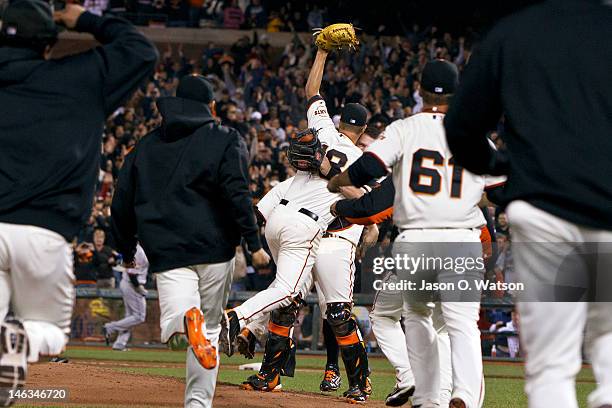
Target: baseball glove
336, 37
305, 151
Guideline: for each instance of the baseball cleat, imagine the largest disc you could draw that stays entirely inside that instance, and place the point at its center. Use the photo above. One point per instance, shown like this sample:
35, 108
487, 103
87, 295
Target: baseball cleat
269, 382
457, 403
356, 395
13, 359
204, 351
245, 343
399, 396
230, 328
331, 379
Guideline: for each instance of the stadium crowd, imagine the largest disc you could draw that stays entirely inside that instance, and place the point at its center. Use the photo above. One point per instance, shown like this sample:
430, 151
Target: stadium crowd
260, 92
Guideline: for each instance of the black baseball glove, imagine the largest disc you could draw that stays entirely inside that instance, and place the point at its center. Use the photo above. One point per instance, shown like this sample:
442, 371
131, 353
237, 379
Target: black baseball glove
305, 151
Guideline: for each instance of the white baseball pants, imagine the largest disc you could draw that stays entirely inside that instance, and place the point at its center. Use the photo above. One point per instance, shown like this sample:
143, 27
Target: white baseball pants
37, 282
135, 313
206, 287
386, 317
293, 239
552, 333
460, 317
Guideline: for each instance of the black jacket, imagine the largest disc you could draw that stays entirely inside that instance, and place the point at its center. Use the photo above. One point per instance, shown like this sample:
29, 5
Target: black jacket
184, 191
51, 122
547, 69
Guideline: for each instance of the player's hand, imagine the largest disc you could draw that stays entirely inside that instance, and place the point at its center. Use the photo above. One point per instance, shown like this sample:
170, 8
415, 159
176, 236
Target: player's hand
260, 258
141, 290
351, 191
369, 239
69, 16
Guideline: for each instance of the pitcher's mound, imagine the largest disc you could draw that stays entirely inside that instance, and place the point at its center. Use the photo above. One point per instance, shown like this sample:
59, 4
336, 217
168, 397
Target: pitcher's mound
100, 386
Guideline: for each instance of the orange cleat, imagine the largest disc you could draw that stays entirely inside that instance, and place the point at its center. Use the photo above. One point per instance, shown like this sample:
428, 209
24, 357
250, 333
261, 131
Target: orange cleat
205, 352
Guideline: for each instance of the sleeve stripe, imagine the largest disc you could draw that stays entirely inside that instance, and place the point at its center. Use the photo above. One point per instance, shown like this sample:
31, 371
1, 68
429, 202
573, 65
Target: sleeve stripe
372, 219
313, 100
501, 184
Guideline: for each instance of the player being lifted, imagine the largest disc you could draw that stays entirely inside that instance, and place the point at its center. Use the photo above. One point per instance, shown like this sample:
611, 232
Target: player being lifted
294, 231
333, 274
435, 202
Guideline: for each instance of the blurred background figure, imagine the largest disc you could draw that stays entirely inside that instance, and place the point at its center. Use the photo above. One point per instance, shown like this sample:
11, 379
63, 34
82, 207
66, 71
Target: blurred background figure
134, 301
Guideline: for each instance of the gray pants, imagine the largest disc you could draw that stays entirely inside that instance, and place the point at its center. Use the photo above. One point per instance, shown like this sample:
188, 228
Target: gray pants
204, 286
135, 314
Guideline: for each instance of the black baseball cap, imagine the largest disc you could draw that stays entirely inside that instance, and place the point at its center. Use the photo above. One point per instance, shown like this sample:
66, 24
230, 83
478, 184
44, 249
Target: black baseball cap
197, 88
354, 114
28, 22
440, 77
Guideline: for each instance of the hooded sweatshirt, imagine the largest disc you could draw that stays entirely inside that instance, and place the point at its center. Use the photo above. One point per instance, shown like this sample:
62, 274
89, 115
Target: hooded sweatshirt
183, 191
52, 118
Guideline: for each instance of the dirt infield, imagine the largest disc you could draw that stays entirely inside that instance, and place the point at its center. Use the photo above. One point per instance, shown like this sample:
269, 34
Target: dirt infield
101, 386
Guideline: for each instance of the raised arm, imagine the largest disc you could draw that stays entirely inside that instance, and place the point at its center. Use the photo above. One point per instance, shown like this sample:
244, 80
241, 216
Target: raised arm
313, 84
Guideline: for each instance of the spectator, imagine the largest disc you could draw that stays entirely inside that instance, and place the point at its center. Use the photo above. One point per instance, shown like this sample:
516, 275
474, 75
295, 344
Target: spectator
255, 15
104, 258
507, 345
232, 15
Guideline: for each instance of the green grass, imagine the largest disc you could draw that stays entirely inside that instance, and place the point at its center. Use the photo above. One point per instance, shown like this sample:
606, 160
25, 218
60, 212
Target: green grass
504, 382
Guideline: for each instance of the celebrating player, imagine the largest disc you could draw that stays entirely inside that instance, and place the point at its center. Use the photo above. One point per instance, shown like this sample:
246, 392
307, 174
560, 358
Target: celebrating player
183, 192
50, 133
294, 241
435, 201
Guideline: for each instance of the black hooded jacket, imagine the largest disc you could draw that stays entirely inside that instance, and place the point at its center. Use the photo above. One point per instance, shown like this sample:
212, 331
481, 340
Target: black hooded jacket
183, 192
51, 122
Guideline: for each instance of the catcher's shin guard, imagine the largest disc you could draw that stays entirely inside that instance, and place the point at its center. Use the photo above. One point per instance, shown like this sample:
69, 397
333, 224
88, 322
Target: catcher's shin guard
351, 345
277, 358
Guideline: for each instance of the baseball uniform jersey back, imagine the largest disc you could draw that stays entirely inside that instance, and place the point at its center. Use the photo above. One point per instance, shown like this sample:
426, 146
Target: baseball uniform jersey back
432, 192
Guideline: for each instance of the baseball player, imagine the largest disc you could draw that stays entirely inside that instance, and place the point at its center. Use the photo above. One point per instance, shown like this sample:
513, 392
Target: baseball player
183, 193
294, 232
435, 202
555, 94
134, 301
53, 113
332, 252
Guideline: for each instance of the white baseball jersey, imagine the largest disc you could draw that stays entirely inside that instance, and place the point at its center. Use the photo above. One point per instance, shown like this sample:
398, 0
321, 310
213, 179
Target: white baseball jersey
273, 197
309, 190
142, 266
431, 192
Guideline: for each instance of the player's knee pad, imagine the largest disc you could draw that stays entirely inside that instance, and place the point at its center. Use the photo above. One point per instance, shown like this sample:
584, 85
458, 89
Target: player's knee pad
339, 317
282, 319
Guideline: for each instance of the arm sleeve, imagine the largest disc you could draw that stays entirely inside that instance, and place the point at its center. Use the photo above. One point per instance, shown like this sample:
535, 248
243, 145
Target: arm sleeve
365, 169
390, 149
318, 118
126, 57
234, 183
123, 217
476, 108
371, 208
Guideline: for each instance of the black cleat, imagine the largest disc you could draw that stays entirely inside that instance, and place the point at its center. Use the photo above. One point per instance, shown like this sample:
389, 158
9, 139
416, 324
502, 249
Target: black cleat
269, 382
399, 396
331, 379
245, 343
13, 359
356, 395
230, 328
